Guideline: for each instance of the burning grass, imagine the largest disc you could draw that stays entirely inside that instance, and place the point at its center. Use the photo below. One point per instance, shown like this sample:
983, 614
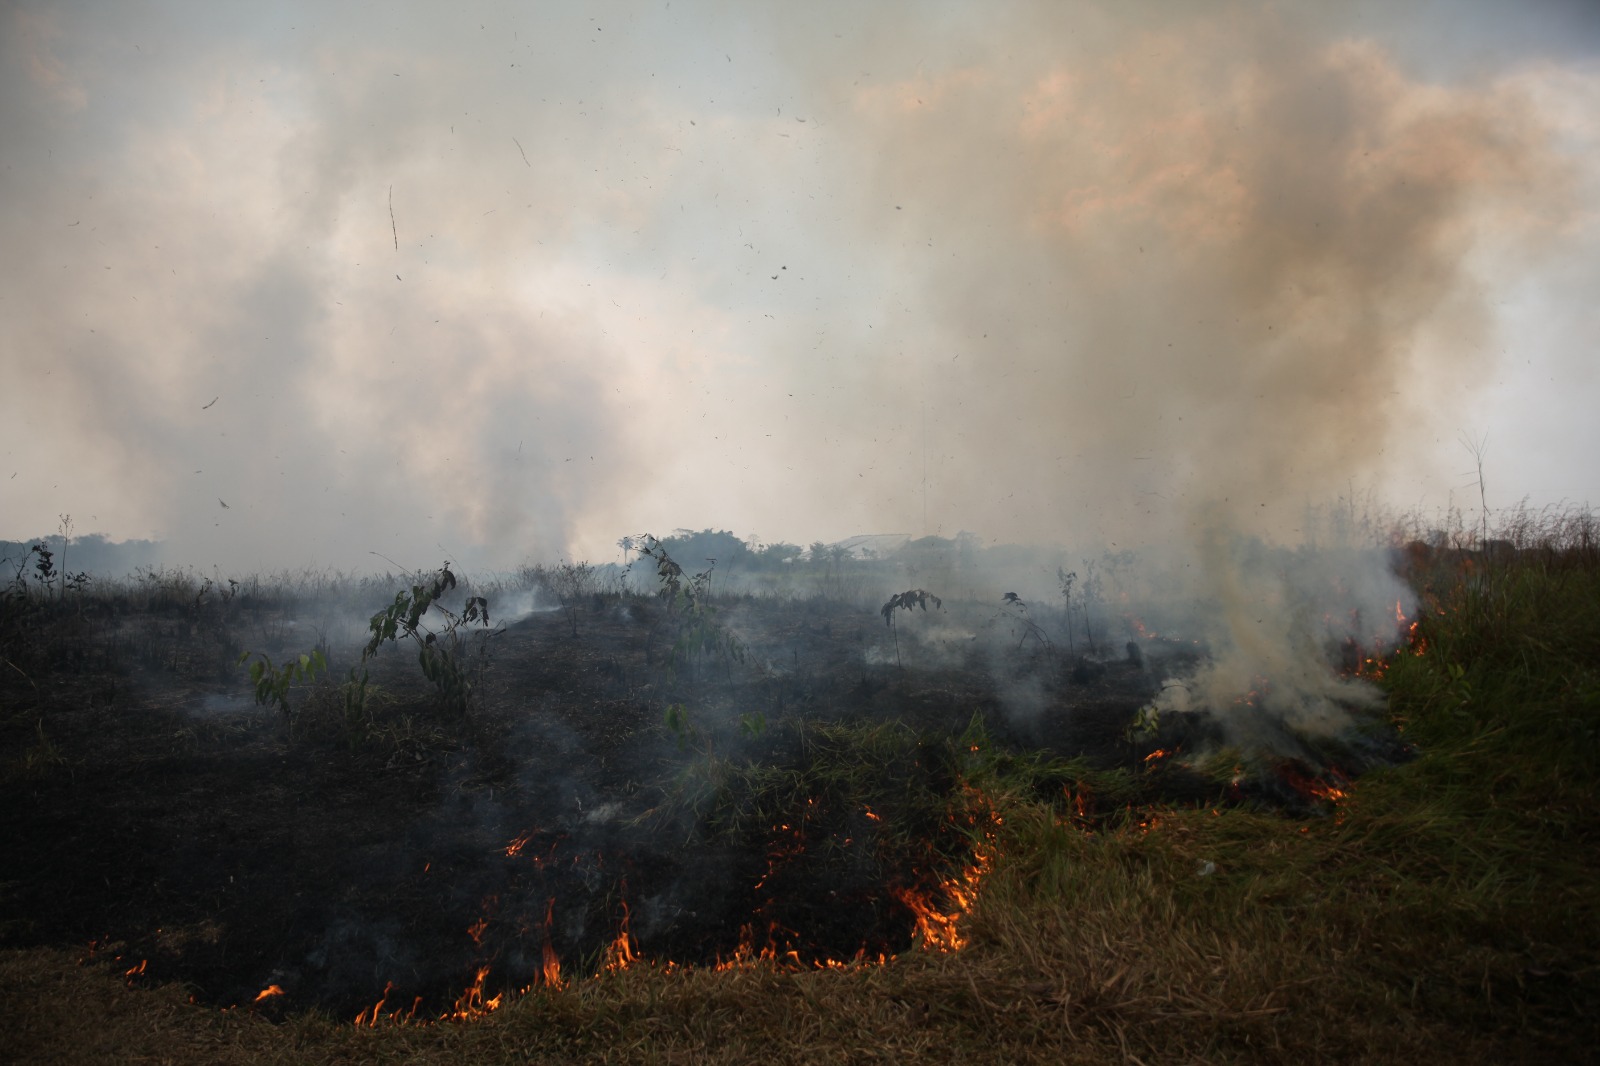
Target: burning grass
1051, 910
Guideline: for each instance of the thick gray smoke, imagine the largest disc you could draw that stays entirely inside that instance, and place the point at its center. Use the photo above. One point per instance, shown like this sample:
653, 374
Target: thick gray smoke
292, 286
1173, 281
1183, 274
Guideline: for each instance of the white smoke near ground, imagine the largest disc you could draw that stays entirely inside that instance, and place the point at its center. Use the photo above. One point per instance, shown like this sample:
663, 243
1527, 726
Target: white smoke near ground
1280, 618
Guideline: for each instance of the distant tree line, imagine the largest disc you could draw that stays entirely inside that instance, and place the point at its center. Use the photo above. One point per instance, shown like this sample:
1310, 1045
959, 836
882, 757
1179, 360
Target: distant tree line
91, 552
735, 554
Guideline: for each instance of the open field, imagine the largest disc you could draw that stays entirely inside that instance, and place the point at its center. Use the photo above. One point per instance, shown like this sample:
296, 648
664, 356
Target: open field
718, 827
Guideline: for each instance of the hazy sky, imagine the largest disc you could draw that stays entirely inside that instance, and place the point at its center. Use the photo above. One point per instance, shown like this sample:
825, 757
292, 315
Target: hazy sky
508, 281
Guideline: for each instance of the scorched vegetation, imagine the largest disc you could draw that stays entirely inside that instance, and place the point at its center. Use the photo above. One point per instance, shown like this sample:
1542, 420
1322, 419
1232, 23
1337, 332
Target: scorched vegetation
750, 822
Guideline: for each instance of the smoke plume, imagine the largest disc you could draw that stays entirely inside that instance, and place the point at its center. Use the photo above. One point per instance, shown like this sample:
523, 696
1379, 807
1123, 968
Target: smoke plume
494, 284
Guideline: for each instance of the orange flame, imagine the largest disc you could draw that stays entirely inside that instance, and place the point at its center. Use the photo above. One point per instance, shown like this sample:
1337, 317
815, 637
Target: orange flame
269, 992
552, 966
471, 1004
1327, 790
747, 954
938, 912
939, 927
370, 1016
1332, 787
619, 953
552, 961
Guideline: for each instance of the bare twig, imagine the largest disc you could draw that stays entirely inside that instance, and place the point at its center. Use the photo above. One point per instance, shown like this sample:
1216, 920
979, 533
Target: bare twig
1477, 447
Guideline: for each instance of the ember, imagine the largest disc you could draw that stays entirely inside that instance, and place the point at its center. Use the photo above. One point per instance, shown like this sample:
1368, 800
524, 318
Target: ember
1328, 787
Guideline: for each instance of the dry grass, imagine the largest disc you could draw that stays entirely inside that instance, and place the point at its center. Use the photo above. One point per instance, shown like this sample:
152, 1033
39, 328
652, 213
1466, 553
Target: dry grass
1085, 948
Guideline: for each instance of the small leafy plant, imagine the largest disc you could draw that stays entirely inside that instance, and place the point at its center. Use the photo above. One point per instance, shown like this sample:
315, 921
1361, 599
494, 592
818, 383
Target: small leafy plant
439, 653
905, 601
45, 572
677, 722
696, 631
272, 683
1015, 610
1089, 597
1066, 579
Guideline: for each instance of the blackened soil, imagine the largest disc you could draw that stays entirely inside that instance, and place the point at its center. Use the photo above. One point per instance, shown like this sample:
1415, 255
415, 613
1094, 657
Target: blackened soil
154, 815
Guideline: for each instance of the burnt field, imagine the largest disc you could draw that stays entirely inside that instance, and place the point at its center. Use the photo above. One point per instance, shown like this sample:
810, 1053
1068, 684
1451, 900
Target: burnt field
574, 817
610, 776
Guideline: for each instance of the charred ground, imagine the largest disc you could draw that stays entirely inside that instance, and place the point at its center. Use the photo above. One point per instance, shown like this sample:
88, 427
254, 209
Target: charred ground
786, 798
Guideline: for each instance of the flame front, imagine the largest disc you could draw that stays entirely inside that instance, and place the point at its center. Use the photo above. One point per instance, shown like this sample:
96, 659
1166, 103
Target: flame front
937, 910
